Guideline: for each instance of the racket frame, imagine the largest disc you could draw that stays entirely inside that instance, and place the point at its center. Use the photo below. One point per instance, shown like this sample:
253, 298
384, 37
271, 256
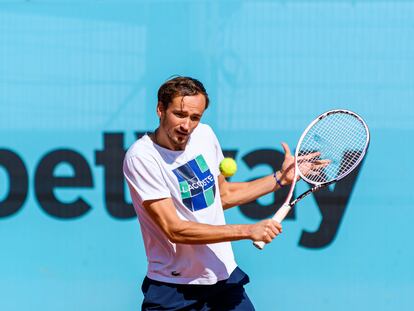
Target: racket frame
305, 132
287, 205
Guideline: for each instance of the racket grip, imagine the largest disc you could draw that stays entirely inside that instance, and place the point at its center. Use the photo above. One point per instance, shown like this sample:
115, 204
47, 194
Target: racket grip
279, 216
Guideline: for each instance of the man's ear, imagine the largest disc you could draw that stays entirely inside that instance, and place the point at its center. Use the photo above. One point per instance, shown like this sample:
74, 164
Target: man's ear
160, 109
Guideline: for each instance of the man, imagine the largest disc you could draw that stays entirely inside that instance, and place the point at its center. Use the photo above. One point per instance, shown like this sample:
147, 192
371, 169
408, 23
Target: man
179, 196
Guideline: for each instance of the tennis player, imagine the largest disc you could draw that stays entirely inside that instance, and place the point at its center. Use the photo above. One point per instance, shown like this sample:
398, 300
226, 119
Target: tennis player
179, 196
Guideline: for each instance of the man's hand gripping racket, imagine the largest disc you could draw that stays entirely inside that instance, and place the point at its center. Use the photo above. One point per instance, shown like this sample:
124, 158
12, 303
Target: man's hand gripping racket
330, 148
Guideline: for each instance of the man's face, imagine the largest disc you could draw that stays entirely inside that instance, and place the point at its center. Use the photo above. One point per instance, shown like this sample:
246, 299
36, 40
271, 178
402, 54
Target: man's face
180, 119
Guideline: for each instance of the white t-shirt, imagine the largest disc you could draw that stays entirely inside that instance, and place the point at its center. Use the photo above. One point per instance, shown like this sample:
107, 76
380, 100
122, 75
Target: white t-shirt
190, 178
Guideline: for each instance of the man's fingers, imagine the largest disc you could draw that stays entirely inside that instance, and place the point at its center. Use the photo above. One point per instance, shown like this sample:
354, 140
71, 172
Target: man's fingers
313, 168
313, 158
310, 156
276, 227
322, 162
320, 165
268, 235
272, 234
269, 229
286, 149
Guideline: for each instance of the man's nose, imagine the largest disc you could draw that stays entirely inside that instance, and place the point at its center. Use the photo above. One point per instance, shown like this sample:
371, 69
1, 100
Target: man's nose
185, 125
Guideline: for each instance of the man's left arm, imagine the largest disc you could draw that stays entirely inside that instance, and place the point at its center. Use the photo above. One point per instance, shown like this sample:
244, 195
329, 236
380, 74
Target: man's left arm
238, 193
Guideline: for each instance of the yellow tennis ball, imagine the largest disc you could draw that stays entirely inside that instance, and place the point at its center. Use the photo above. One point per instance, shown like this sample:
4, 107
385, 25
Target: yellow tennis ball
228, 167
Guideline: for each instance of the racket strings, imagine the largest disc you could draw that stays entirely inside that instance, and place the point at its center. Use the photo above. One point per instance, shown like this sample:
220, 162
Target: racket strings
333, 143
332, 147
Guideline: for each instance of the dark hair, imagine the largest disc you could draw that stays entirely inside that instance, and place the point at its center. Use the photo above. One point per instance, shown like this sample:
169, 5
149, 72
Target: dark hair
180, 86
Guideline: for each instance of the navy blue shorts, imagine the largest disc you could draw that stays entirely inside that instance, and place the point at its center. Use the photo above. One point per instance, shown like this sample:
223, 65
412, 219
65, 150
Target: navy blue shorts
224, 295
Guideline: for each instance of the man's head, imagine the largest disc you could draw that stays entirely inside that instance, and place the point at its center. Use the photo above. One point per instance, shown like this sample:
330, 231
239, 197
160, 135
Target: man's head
180, 86
181, 104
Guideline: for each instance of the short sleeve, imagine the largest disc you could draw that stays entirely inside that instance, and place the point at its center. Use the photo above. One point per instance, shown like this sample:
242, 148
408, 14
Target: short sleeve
219, 152
145, 177
214, 149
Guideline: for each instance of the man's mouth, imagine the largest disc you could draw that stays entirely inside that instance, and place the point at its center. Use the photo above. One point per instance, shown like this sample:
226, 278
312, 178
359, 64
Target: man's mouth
182, 134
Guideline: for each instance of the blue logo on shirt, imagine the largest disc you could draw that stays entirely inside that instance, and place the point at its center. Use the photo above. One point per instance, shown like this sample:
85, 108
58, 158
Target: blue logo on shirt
197, 185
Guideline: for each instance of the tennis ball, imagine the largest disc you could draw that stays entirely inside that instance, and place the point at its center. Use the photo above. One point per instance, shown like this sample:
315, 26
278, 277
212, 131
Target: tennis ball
228, 167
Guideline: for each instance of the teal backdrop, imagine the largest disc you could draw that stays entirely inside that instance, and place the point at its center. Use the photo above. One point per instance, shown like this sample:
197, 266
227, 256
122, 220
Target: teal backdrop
78, 83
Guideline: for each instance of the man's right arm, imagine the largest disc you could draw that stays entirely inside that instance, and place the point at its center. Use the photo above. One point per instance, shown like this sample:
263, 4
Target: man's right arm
163, 212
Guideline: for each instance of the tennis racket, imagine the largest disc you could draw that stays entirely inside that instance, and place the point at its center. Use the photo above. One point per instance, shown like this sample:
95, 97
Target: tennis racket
330, 148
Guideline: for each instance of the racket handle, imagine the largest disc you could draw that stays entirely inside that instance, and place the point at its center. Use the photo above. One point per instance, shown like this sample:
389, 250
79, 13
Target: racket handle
279, 216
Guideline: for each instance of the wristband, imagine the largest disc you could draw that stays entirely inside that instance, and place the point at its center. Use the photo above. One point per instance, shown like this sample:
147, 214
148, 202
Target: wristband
277, 180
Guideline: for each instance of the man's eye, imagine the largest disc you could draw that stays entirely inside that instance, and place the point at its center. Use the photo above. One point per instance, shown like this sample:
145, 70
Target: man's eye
195, 118
180, 115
